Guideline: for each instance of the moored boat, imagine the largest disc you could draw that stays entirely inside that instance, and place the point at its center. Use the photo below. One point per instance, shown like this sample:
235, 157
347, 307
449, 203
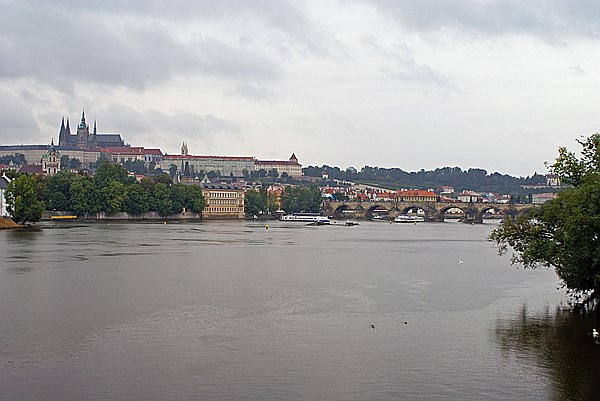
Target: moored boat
404, 218
306, 218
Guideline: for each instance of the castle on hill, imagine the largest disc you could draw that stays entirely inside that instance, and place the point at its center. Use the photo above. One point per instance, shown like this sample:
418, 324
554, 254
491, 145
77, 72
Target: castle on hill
83, 139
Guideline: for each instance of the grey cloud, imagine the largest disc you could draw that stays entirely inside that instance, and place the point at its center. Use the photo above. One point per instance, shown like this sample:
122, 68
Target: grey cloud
17, 123
286, 16
410, 72
135, 125
403, 68
59, 46
552, 21
578, 71
252, 91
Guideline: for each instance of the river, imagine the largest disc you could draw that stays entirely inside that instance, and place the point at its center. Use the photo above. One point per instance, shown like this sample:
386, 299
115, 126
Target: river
233, 310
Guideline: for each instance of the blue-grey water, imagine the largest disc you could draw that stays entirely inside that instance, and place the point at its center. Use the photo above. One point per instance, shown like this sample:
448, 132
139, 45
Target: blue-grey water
235, 311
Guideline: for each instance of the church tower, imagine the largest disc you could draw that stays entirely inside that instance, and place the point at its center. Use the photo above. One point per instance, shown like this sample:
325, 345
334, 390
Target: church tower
51, 160
94, 137
83, 132
62, 134
184, 149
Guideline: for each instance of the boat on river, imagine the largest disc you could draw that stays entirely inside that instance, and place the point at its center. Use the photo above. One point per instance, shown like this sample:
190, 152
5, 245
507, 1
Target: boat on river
306, 218
405, 218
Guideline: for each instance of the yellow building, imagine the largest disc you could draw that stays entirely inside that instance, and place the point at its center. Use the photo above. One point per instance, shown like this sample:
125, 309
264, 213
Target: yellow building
222, 202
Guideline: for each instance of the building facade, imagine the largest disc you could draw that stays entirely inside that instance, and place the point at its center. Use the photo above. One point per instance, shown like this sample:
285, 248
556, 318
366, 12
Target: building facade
416, 195
50, 161
198, 166
222, 201
291, 167
4, 181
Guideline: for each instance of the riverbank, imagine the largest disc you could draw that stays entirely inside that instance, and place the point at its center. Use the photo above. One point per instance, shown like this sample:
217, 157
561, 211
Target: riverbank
6, 224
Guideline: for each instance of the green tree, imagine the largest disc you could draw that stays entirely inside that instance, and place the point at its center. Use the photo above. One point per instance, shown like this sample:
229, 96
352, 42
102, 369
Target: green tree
177, 193
162, 199
296, 199
84, 197
164, 178
137, 167
563, 233
254, 202
57, 190
23, 199
108, 172
74, 164
115, 196
64, 162
137, 200
193, 198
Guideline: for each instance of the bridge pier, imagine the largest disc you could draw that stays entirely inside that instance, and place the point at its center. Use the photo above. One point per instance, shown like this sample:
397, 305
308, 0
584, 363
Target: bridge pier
472, 215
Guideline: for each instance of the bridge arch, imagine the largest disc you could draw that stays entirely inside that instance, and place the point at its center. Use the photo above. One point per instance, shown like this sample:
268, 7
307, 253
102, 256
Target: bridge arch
339, 211
442, 213
371, 210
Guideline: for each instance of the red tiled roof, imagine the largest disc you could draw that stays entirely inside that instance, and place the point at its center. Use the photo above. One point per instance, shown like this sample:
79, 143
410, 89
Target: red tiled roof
415, 192
31, 169
152, 152
249, 158
275, 162
124, 150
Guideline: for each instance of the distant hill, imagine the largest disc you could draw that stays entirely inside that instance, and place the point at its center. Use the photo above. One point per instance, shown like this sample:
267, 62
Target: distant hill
474, 179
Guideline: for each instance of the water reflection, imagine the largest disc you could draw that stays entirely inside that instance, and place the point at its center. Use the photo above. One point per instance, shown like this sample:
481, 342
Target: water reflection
559, 340
19, 250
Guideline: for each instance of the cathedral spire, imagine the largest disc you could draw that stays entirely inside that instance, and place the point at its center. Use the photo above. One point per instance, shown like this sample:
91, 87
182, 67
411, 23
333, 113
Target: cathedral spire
82, 123
95, 130
68, 128
62, 134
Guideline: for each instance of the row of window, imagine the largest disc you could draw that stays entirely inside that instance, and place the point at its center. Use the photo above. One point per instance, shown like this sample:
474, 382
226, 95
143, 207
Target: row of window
223, 202
222, 195
223, 209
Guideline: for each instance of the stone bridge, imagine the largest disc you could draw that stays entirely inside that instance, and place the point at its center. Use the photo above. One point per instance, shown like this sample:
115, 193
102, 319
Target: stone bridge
433, 211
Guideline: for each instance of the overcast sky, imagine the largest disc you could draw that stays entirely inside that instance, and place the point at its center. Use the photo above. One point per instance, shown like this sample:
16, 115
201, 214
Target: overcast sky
413, 84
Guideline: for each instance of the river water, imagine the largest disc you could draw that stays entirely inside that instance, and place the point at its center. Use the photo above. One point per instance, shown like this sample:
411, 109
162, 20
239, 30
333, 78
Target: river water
233, 310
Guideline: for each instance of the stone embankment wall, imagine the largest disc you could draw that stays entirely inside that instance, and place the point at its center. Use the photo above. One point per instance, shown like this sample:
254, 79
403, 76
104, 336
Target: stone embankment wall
150, 216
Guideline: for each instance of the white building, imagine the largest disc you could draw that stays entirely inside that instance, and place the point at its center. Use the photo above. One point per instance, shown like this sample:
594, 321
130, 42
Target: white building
4, 181
469, 197
538, 199
291, 167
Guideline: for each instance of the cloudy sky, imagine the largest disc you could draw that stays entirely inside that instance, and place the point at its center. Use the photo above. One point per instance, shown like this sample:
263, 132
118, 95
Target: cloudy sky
414, 84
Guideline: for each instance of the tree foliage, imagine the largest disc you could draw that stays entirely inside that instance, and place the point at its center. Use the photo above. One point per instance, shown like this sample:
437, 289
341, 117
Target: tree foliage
23, 199
563, 233
298, 199
475, 179
255, 202
112, 190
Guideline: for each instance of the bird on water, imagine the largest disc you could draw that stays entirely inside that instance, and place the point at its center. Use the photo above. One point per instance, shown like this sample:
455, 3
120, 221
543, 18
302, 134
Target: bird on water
373, 326
595, 333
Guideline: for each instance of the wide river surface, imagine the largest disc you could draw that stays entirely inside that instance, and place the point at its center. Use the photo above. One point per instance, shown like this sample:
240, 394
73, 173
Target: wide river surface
236, 311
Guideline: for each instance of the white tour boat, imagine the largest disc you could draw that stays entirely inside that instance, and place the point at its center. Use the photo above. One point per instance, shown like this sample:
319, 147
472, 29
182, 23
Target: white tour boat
306, 218
404, 218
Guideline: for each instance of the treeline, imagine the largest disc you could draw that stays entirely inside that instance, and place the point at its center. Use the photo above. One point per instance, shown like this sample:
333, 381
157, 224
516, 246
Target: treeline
17, 159
293, 200
110, 190
472, 179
